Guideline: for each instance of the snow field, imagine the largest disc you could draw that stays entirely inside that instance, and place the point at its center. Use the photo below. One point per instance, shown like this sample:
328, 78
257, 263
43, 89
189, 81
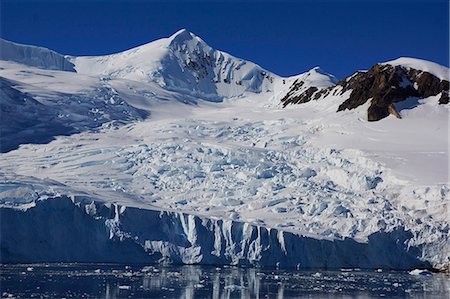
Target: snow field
252, 172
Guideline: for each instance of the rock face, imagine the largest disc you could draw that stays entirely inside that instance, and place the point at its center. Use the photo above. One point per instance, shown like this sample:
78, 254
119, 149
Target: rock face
383, 84
303, 97
387, 84
313, 84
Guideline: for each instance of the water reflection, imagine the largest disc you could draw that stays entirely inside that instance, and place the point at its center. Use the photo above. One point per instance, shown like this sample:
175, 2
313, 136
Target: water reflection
117, 281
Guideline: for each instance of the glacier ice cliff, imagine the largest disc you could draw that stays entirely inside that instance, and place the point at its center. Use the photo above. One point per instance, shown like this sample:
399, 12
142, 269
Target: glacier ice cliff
39, 57
63, 229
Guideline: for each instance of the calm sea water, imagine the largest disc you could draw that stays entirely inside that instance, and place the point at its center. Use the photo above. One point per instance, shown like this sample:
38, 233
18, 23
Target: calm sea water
119, 281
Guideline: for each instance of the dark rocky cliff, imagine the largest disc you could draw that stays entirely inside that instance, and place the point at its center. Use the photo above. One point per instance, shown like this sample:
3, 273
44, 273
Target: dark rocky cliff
386, 85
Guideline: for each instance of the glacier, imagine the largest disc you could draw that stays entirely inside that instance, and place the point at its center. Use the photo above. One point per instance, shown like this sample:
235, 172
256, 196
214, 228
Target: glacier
174, 152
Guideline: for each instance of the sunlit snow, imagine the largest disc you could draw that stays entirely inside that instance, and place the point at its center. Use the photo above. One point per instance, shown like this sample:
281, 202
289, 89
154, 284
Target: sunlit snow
144, 137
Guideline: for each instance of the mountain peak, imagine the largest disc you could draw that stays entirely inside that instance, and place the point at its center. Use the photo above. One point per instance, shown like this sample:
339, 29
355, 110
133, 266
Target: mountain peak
319, 78
184, 36
182, 33
433, 68
319, 74
182, 63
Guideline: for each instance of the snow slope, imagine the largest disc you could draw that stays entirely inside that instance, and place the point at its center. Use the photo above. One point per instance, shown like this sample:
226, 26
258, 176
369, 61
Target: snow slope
34, 56
419, 64
37, 105
25, 120
237, 182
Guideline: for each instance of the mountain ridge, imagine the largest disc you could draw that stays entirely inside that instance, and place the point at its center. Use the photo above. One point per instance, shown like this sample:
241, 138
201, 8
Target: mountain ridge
185, 63
183, 35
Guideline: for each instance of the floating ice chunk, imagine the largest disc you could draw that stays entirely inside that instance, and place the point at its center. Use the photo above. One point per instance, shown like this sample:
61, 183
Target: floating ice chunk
419, 272
346, 270
233, 287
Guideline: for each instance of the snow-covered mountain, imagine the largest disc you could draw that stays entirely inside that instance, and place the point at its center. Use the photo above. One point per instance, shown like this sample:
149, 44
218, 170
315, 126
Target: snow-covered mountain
388, 87
176, 152
185, 63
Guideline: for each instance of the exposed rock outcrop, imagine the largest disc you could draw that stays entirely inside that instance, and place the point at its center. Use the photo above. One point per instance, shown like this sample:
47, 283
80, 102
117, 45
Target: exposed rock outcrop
387, 84
311, 85
383, 85
303, 97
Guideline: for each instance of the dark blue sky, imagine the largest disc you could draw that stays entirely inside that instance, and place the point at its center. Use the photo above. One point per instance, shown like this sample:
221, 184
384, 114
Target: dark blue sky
286, 37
